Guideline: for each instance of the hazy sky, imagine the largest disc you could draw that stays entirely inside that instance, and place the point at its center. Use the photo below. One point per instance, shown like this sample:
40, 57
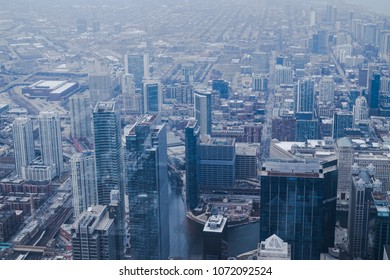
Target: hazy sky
381, 6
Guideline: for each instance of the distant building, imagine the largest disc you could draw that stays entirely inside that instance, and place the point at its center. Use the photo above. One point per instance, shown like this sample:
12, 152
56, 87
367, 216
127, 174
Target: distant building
222, 87
10, 220
138, 65
373, 93
152, 94
326, 89
304, 95
215, 246
53, 90
247, 157
191, 162
100, 87
341, 121
93, 235
345, 154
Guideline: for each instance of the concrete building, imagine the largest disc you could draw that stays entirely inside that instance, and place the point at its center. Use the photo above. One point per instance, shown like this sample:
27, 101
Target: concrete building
138, 65
345, 155
83, 182
247, 157
326, 89
93, 235
22, 132
51, 140
100, 87
80, 116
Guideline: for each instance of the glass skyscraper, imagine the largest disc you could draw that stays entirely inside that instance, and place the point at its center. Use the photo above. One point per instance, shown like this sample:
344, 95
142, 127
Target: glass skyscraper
109, 162
147, 174
298, 203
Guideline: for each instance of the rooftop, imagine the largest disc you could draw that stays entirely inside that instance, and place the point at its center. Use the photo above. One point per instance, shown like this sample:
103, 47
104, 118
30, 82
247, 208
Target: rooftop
215, 223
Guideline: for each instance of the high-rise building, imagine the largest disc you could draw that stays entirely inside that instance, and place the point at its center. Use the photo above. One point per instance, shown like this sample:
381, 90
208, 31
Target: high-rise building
331, 15
147, 174
80, 116
320, 42
363, 183
51, 141
283, 75
100, 88
132, 101
360, 110
215, 245
344, 150
216, 163
222, 87
191, 148
304, 95
83, 182
373, 93
202, 110
22, 131
247, 157
306, 126
93, 235
341, 121
370, 34
260, 82
152, 97
326, 89
298, 203
138, 65
109, 162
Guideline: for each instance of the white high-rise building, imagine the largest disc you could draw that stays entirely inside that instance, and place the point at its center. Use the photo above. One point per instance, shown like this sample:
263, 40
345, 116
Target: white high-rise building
283, 75
326, 89
132, 101
202, 102
80, 116
360, 110
23, 144
51, 142
83, 181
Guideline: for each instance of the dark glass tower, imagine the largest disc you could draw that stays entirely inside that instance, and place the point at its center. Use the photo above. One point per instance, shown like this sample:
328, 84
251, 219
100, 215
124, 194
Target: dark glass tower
147, 174
373, 93
298, 203
109, 162
191, 143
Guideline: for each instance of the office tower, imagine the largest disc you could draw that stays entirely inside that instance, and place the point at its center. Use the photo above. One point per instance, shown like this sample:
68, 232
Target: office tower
22, 132
298, 203
138, 65
222, 87
215, 246
247, 157
51, 142
384, 47
373, 93
152, 97
132, 101
93, 235
306, 126
382, 223
100, 88
273, 248
202, 110
363, 183
184, 93
344, 151
109, 162
147, 174
370, 34
331, 15
320, 42
326, 89
341, 121
260, 63
83, 182
304, 95
283, 75
260, 82
80, 116
191, 147
360, 110
216, 163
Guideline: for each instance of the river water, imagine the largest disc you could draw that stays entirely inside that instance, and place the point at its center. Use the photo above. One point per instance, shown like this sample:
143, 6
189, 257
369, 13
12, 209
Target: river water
186, 235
